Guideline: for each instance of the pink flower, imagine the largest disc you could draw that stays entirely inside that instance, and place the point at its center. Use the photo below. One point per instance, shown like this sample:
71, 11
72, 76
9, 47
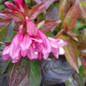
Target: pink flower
57, 46
31, 27
13, 50
40, 45
33, 45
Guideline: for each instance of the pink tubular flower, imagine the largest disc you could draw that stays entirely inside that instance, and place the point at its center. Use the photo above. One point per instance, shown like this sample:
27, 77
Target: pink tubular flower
40, 45
13, 50
33, 45
31, 27
57, 46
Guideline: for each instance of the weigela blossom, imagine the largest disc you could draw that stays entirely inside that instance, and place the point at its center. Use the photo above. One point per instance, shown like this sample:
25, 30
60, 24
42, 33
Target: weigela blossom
33, 43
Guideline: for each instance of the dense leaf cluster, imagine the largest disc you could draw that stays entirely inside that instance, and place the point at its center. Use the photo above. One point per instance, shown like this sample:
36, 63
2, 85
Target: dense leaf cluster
65, 19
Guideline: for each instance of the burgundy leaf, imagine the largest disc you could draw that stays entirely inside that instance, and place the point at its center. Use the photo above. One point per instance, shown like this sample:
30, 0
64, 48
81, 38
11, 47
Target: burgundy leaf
50, 24
11, 6
25, 7
52, 13
49, 2
55, 71
34, 12
16, 26
16, 16
19, 72
5, 22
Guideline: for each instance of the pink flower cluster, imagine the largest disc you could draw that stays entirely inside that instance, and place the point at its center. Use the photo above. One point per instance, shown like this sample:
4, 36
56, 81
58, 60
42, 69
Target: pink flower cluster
33, 44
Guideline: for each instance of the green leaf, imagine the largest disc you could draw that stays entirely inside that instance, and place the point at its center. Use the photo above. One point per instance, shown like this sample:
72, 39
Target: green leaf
79, 25
6, 33
35, 76
3, 66
19, 72
77, 79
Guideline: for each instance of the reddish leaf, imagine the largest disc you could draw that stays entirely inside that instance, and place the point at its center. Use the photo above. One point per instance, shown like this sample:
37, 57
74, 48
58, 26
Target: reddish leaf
18, 17
49, 2
11, 6
71, 54
34, 12
63, 8
71, 17
33, 77
25, 7
16, 26
50, 24
52, 13
5, 22
19, 72
62, 36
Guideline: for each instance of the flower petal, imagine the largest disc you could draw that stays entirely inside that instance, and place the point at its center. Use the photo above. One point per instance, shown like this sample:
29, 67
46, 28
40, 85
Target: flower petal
5, 54
45, 55
24, 53
31, 28
53, 42
37, 40
16, 55
26, 42
17, 38
32, 54
55, 52
61, 43
46, 42
61, 51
